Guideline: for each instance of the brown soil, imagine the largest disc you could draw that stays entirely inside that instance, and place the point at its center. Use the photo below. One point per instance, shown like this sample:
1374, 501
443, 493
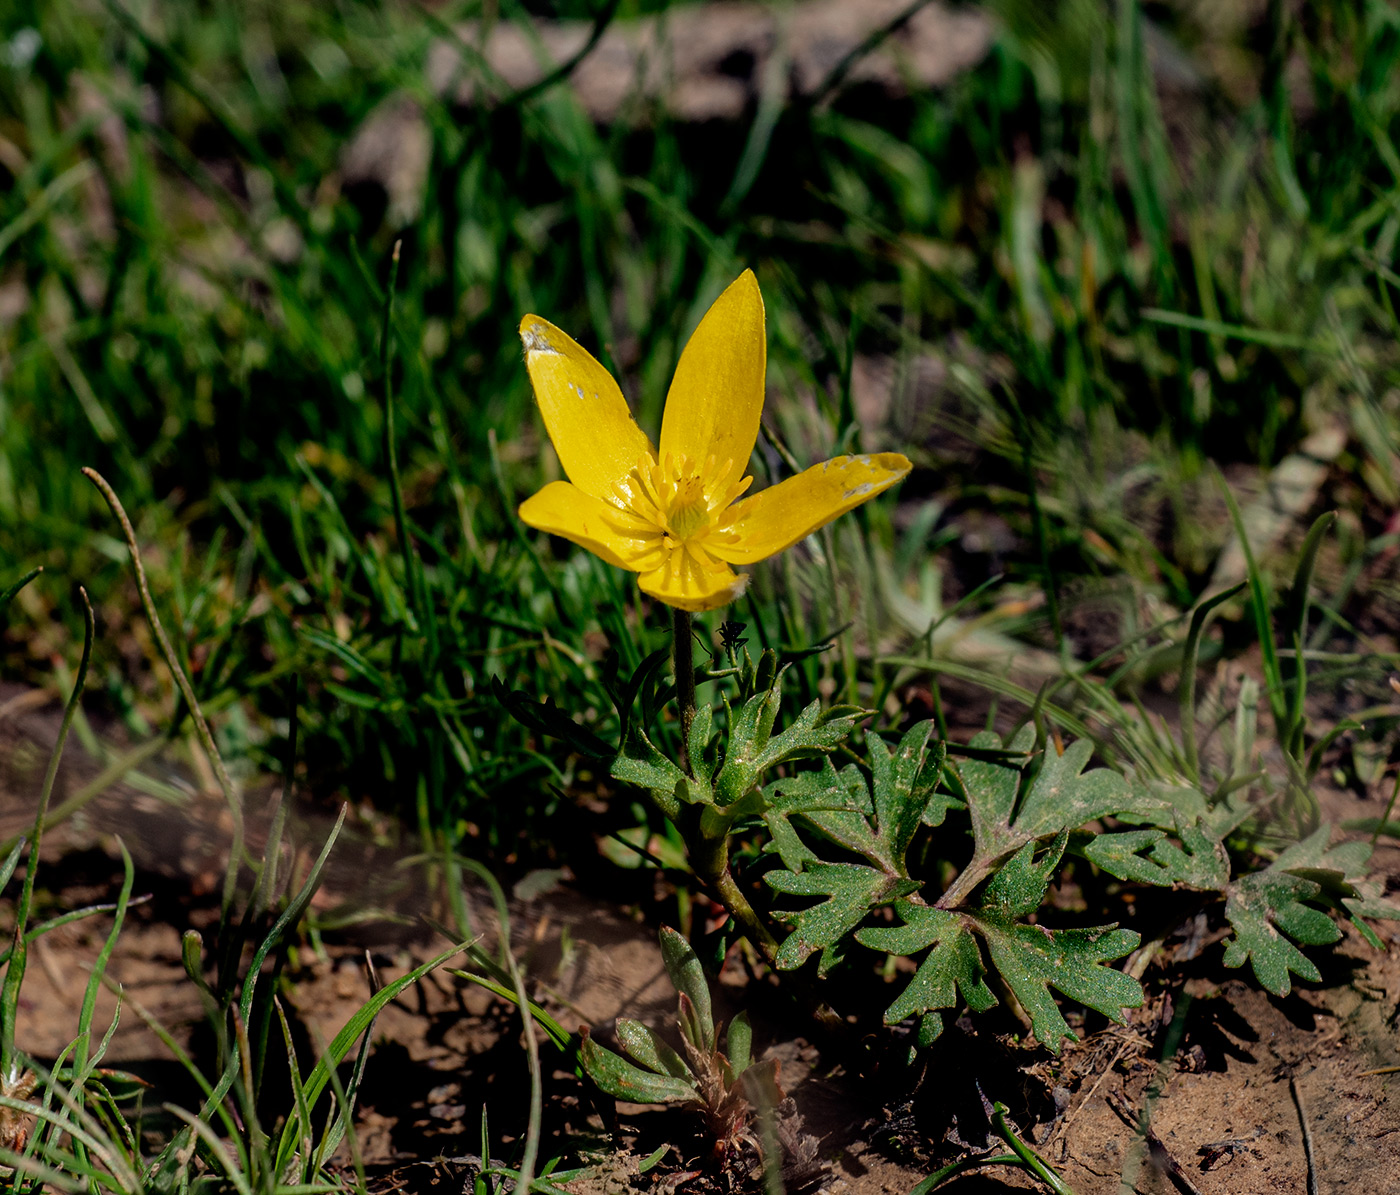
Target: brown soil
1253, 1087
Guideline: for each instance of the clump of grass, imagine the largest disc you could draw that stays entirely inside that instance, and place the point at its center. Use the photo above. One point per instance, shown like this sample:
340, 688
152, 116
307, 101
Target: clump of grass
64, 1126
199, 312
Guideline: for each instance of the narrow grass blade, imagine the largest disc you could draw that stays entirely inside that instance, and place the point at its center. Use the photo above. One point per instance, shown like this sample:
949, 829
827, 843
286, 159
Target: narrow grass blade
1295, 621
7, 868
302, 1116
1186, 687
1263, 623
214, 1146
291, 914
14, 972
7, 595
172, 661
1263, 336
319, 1077
82, 1067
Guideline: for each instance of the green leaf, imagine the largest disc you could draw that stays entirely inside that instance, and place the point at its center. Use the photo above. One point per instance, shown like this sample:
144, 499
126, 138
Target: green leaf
838, 808
1372, 907
752, 748
1019, 886
1165, 805
1150, 857
820, 790
839, 805
904, 782
702, 760
683, 966
794, 853
749, 732
852, 891
823, 791
1347, 859
1064, 796
1033, 959
953, 965
620, 1079
641, 763
647, 1047
990, 790
1341, 874
1264, 907
738, 1043
547, 718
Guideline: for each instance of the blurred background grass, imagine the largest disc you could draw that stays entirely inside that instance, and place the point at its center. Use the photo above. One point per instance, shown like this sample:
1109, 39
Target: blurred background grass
1071, 257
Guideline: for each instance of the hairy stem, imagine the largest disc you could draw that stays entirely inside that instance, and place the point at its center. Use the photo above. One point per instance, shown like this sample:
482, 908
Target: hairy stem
708, 855
683, 660
710, 858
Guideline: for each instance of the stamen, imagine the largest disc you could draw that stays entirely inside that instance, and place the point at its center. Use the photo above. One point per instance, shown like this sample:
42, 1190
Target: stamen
676, 514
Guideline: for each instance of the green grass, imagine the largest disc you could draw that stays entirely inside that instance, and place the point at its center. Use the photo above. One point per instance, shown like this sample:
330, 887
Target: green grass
1122, 283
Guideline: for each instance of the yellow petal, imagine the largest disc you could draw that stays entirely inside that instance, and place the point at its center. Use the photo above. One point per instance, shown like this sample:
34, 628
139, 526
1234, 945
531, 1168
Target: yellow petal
716, 397
776, 518
564, 509
597, 439
683, 583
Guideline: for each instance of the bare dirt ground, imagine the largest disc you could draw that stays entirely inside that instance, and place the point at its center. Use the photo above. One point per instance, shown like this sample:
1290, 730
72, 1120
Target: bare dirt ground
1259, 1094
1254, 1086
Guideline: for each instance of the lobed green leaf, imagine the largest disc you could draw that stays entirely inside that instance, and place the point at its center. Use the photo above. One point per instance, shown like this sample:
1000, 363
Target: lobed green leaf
1150, 857
852, 890
1267, 908
1033, 959
952, 966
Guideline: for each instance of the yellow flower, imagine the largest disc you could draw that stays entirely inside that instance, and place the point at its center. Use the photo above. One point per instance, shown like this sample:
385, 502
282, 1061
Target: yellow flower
675, 517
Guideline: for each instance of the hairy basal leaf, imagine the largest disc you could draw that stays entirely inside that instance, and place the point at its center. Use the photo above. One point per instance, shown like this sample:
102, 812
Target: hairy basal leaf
688, 976
620, 1079
851, 889
1150, 857
1018, 888
1033, 959
953, 965
1267, 908
646, 1046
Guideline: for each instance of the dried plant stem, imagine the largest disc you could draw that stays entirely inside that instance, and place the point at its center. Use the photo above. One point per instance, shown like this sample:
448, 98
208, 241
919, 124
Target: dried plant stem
172, 661
1308, 1152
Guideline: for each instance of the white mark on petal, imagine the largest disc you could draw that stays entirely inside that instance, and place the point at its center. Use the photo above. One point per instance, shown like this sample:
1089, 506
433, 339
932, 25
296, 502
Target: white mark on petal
536, 341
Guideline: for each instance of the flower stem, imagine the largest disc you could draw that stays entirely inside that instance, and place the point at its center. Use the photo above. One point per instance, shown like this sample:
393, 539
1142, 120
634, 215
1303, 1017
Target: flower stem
709, 856
683, 658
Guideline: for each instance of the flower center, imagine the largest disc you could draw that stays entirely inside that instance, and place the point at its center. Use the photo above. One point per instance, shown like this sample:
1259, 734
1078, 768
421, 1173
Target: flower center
690, 512
678, 509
